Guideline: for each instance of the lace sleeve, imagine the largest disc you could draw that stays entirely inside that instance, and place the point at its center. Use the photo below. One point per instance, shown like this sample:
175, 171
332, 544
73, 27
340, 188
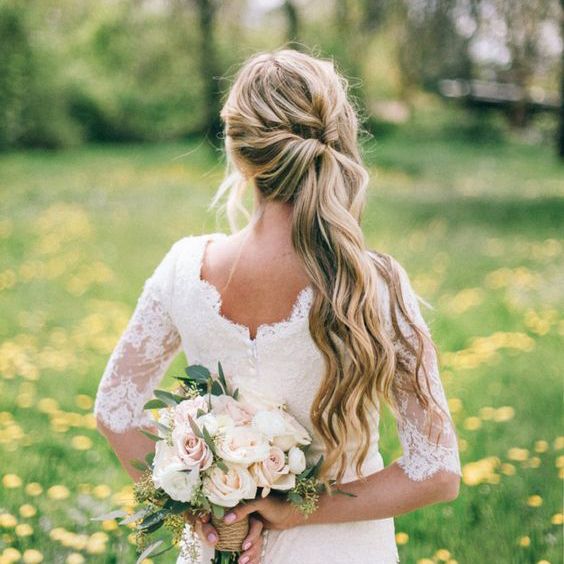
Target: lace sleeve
427, 435
144, 351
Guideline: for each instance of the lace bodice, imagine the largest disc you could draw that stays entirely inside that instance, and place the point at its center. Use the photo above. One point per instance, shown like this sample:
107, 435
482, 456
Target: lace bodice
177, 310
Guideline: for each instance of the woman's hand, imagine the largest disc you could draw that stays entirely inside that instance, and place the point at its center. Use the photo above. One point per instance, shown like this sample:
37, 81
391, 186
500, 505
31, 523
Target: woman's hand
252, 545
275, 513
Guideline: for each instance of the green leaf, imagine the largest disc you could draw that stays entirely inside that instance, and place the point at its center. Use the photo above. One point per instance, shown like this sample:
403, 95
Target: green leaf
295, 498
200, 412
195, 427
139, 465
151, 436
222, 466
216, 388
221, 376
209, 440
163, 428
236, 394
176, 507
198, 373
117, 514
154, 404
134, 516
148, 551
168, 397
218, 510
153, 519
336, 490
149, 458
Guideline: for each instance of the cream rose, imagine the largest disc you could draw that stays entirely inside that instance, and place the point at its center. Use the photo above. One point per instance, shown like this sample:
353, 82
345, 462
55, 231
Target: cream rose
273, 472
189, 408
172, 475
270, 423
296, 460
242, 445
192, 450
229, 488
226, 405
293, 435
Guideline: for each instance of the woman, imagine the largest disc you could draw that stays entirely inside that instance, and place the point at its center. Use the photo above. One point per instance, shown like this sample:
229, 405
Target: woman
299, 310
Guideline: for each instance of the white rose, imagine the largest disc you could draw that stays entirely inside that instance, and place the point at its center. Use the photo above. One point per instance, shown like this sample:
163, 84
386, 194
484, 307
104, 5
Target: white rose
296, 460
255, 401
172, 475
214, 423
269, 423
242, 445
294, 434
273, 473
229, 488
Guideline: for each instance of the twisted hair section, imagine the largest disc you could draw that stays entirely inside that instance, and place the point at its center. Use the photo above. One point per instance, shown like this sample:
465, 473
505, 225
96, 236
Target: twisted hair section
291, 129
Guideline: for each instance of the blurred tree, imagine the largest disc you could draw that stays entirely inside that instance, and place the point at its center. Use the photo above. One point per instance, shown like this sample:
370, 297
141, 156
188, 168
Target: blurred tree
209, 69
293, 21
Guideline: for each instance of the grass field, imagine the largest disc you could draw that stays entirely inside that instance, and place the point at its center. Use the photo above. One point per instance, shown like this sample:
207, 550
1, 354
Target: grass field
477, 226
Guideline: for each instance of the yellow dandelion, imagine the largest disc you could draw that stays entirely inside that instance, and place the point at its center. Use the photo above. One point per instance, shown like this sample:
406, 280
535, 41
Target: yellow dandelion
109, 525
27, 510
102, 491
7, 520
425, 561
57, 533
75, 558
534, 501
32, 556
541, 446
557, 519
58, 492
504, 413
524, 541
508, 469
48, 405
534, 462
24, 530
543, 562
560, 462
11, 554
83, 401
402, 538
33, 489
487, 413
442, 554
455, 405
518, 454
472, 423
11, 481
131, 538
80, 442
559, 443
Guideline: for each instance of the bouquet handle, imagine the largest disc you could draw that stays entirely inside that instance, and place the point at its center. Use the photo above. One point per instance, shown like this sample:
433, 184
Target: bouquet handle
231, 535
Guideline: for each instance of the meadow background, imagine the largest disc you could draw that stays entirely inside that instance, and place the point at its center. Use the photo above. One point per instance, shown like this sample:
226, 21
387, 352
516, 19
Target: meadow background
468, 198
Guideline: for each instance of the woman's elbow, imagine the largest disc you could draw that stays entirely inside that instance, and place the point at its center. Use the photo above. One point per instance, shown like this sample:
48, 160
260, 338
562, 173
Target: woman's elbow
448, 485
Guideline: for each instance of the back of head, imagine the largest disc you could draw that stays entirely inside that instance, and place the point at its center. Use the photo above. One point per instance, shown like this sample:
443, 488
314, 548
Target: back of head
291, 129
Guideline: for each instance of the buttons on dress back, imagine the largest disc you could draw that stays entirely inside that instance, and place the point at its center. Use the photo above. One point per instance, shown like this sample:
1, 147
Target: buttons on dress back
252, 354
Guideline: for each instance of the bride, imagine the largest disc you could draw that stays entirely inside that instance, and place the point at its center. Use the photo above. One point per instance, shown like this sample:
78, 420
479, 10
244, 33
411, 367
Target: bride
298, 310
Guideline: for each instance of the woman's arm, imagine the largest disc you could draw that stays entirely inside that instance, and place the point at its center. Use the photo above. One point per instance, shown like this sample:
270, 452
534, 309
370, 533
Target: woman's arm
429, 469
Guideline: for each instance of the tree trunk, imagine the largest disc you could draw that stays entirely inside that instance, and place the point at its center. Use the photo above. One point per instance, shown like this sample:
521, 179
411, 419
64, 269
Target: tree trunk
209, 70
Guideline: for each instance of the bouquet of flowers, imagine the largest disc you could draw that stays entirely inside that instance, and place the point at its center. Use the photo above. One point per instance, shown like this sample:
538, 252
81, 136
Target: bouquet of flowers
213, 451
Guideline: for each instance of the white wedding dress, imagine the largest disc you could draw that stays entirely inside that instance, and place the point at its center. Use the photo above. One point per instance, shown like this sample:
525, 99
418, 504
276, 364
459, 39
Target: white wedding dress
177, 310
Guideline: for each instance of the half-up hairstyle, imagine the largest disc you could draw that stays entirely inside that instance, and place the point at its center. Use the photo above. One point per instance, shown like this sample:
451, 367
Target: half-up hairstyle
290, 127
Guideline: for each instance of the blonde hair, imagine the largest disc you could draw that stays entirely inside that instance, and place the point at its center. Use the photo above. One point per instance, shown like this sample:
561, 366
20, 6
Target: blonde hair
290, 126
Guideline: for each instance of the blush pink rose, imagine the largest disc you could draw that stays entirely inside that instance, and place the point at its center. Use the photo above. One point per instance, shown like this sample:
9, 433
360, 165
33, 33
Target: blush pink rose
190, 449
189, 408
273, 472
226, 405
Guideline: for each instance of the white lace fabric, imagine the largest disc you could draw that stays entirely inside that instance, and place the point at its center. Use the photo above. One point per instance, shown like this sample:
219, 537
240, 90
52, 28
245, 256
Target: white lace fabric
178, 311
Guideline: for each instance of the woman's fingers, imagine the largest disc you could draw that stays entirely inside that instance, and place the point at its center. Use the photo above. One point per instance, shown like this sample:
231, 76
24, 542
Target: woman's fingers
252, 544
206, 532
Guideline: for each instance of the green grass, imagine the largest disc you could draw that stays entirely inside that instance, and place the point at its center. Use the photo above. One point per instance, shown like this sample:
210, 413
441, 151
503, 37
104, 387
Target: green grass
475, 223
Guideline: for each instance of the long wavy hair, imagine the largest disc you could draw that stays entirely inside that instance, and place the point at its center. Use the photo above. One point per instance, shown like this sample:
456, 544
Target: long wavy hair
291, 128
